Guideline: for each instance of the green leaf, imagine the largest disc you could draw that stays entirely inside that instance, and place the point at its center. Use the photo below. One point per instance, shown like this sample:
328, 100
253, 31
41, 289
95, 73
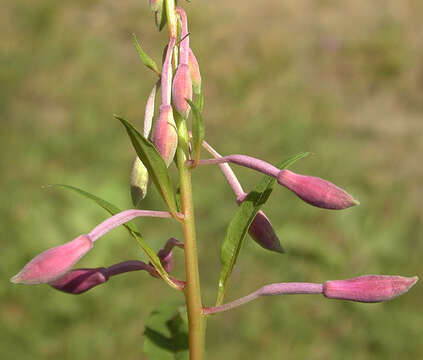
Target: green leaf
200, 100
166, 333
198, 130
161, 17
147, 60
130, 226
155, 165
241, 221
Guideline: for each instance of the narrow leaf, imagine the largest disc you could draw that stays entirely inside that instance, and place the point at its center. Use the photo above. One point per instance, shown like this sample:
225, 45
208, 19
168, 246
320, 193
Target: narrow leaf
155, 165
147, 60
200, 100
198, 130
166, 333
161, 17
130, 226
241, 221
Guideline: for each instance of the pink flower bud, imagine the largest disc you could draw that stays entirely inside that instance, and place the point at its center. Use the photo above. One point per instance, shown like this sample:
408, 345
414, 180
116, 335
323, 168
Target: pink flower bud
165, 135
316, 191
194, 70
80, 280
54, 262
261, 230
181, 90
368, 288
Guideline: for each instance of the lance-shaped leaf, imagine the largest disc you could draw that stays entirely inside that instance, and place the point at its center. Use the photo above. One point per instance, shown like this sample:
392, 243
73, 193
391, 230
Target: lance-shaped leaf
132, 229
241, 221
147, 60
198, 130
166, 333
155, 165
200, 100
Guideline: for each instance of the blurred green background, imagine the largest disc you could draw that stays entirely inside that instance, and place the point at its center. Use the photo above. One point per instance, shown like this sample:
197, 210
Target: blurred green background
341, 79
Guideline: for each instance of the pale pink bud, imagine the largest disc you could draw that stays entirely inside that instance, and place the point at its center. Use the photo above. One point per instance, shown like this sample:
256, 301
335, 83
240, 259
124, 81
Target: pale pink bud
369, 288
165, 134
181, 90
194, 70
54, 262
139, 182
80, 280
316, 191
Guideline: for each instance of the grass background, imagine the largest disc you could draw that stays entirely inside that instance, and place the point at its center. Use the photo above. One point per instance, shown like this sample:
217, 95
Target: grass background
341, 79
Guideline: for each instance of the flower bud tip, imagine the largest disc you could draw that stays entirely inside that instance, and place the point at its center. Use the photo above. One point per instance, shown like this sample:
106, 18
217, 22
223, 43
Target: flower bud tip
54, 262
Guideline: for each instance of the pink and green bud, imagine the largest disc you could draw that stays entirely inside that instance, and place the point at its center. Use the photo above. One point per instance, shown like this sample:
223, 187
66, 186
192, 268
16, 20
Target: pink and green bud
139, 182
54, 262
165, 136
156, 5
316, 191
79, 281
369, 288
182, 89
194, 70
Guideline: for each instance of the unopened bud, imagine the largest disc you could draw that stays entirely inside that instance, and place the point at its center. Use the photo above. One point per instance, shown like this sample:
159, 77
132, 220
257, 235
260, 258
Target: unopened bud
368, 288
139, 182
316, 191
54, 262
165, 134
80, 280
166, 258
156, 5
194, 70
261, 230
182, 89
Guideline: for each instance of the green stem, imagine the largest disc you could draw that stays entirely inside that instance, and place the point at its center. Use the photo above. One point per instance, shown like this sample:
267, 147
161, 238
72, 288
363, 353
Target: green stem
196, 320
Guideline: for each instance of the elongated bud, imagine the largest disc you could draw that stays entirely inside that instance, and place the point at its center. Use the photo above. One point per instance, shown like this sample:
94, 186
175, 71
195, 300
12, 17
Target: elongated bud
139, 182
80, 280
316, 191
369, 288
165, 134
194, 70
181, 90
54, 262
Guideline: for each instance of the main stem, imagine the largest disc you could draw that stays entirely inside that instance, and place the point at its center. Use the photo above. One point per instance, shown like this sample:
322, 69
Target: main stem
196, 320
